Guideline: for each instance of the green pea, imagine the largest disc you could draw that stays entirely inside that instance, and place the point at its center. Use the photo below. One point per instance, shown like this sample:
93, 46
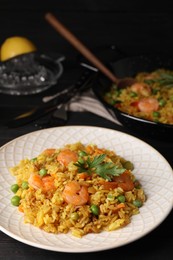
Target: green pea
162, 102
14, 188
82, 153
43, 172
137, 203
94, 209
33, 159
128, 165
137, 184
133, 94
156, 114
81, 161
25, 185
113, 102
74, 216
15, 200
117, 93
121, 198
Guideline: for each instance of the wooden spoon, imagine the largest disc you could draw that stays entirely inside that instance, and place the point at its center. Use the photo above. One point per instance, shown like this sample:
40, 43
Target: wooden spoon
58, 26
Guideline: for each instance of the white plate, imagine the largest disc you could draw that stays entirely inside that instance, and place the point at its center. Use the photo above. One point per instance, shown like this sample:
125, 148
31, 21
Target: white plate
152, 170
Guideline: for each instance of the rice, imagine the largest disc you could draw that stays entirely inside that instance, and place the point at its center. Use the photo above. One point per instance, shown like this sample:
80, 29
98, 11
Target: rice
107, 198
155, 87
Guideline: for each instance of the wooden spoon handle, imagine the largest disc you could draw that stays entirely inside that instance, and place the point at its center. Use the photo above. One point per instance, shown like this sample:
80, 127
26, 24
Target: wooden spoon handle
58, 26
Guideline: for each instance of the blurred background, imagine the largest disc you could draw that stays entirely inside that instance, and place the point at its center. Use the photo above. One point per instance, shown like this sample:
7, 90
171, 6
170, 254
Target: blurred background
134, 26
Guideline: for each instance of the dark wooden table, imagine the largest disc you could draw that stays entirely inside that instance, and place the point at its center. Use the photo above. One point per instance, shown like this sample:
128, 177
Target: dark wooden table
97, 23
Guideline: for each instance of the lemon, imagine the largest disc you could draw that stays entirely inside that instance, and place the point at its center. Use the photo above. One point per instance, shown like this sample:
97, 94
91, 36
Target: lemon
14, 46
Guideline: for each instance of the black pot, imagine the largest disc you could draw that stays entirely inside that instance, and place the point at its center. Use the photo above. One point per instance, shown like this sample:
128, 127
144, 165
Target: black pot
129, 67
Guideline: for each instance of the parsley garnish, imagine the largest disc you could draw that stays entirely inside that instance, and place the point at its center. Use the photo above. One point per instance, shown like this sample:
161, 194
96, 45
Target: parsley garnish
107, 170
165, 79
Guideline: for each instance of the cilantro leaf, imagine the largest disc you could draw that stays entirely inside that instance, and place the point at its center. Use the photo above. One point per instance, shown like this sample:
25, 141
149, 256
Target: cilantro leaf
107, 170
96, 161
104, 169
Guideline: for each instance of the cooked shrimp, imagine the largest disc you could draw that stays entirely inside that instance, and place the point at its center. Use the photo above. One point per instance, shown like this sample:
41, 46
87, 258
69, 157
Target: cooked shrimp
141, 88
123, 181
48, 183
75, 193
148, 105
66, 156
45, 183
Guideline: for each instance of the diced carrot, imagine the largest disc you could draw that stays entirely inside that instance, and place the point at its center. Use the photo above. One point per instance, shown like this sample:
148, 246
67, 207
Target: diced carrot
20, 208
98, 151
134, 103
119, 206
49, 151
83, 175
109, 185
118, 105
89, 149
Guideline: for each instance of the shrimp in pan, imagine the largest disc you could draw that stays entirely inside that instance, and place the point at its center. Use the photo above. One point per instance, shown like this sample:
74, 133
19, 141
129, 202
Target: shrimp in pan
148, 105
141, 88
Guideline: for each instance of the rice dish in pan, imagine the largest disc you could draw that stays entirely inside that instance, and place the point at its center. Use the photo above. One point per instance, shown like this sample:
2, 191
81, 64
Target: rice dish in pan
150, 97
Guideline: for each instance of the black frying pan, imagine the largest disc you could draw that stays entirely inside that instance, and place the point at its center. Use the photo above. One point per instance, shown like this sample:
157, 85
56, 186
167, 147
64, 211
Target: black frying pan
130, 66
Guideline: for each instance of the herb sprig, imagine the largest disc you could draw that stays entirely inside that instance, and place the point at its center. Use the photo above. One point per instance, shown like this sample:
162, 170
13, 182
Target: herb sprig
107, 170
164, 80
